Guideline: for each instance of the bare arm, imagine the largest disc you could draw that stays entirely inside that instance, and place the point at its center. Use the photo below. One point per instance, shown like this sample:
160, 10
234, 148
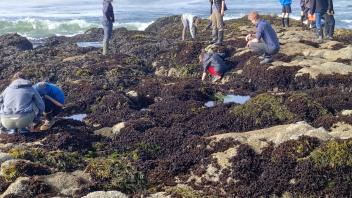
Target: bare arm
223, 8
204, 75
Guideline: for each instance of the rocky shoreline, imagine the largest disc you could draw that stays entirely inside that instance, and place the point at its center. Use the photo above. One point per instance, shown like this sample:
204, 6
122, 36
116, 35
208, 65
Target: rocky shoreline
148, 132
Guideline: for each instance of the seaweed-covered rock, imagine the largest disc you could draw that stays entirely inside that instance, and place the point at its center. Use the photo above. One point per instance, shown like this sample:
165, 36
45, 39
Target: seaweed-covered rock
15, 40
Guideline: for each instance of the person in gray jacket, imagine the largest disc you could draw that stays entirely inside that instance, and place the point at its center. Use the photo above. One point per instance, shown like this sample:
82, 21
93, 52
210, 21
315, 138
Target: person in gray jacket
20, 105
214, 64
108, 20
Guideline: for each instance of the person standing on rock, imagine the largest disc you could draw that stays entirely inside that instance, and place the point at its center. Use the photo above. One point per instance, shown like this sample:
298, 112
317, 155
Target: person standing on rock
218, 11
189, 22
214, 64
330, 21
319, 8
54, 100
108, 20
265, 42
286, 10
20, 105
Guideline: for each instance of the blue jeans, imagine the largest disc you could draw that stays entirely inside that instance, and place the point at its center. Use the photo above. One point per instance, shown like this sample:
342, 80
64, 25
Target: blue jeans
318, 17
107, 31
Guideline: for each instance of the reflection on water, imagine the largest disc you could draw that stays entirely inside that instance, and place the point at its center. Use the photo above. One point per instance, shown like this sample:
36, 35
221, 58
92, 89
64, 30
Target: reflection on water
238, 99
96, 44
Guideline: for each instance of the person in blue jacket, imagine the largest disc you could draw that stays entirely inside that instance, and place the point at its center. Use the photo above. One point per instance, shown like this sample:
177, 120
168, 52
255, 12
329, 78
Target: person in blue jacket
286, 10
108, 20
265, 41
319, 8
54, 100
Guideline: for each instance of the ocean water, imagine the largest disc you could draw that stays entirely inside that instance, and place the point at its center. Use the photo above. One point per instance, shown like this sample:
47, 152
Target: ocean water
43, 18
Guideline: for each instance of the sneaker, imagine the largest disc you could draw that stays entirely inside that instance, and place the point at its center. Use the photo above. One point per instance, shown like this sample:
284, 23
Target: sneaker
266, 60
24, 131
262, 57
11, 131
329, 38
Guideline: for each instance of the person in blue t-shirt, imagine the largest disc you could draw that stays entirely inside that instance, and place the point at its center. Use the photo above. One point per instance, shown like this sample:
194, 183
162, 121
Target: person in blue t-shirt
286, 10
265, 41
54, 100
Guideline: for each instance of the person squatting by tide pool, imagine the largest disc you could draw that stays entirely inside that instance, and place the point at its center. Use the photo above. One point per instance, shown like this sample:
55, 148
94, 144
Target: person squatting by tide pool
108, 20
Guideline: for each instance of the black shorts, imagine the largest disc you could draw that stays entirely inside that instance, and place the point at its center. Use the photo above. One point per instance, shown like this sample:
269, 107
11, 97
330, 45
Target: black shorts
286, 9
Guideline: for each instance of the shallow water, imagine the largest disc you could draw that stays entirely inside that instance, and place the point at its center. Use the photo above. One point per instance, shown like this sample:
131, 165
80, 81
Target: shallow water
96, 44
78, 117
238, 99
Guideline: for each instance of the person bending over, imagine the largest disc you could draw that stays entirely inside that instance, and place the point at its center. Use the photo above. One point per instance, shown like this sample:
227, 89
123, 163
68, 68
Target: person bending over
265, 41
54, 100
189, 22
214, 64
20, 105
286, 10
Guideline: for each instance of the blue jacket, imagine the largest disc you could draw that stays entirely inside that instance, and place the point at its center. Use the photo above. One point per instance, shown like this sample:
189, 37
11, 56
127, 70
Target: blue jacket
19, 98
50, 90
108, 13
319, 6
215, 60
266, 32
285, 2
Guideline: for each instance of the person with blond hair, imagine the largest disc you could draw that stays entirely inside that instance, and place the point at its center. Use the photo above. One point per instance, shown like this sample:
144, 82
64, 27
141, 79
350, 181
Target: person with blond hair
20, 105
108, 20
265, 41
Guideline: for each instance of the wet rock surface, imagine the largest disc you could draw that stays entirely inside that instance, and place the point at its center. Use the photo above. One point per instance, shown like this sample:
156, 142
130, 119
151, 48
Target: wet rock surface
149, 132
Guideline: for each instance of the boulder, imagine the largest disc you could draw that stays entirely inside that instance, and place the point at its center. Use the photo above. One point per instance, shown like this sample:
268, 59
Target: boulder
15, 40
106, 194
118, 127
331, 55
4, 157
18, 188
328, 68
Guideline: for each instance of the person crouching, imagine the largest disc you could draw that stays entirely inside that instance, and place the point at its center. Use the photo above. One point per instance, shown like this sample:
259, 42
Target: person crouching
54, 100
21, 105
214, 64
189, 22
265, 42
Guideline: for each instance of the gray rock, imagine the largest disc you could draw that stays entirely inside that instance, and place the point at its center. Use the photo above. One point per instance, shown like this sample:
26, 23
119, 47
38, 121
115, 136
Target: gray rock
19, 187
4, 157
106, 194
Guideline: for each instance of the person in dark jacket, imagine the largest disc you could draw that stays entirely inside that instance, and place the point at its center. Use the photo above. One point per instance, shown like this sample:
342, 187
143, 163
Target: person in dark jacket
218, 8
329, 21
286, 10
108, 20
320, 8
20, 105
54, 100
265, 41
214, 64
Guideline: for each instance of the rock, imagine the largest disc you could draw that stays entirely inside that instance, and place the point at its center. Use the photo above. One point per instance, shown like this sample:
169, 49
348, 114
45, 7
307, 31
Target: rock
15, 40
346, 112
118, 127
331, 55
105, 132
293, 49
106, 194
330, 45
67, 183
328, 68
4, 157
159, 195
18, 188
341, 130
278, 134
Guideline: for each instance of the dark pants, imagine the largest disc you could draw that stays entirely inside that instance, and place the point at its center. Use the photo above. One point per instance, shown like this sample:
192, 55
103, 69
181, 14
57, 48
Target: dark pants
329, 25
262, 48
51, 110
107, 31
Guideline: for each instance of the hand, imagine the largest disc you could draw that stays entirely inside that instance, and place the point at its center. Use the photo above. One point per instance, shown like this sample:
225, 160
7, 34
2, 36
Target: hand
248, 37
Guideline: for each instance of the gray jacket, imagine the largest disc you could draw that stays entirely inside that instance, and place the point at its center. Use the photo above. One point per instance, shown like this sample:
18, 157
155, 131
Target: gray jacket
215, 60
19, 97
108, 13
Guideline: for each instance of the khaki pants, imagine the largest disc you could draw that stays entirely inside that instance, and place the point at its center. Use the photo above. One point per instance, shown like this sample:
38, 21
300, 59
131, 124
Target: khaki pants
217, 21
17, 121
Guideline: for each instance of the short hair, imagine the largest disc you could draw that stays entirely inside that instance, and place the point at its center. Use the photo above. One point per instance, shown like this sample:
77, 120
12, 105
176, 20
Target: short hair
253, 15
17, 75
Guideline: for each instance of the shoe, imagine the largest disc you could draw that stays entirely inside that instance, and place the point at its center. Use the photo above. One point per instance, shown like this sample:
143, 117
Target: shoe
287, 22
24, 131
329, 38
11, 131
266, 60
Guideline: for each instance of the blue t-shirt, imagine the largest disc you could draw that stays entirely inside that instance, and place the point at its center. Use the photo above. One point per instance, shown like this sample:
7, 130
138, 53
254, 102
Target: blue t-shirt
266, 32
52, 91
